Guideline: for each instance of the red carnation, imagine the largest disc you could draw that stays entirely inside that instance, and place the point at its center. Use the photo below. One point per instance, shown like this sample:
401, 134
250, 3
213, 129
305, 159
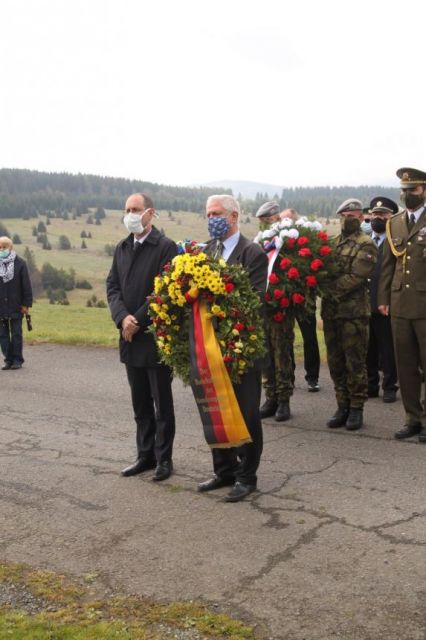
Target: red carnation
284, 302
278, 293
229, 287
278, 316
293, 273
298, 298
239, 326
267, 297
325, 250
302, 241
273, 278
316, 264
285, 263
291, 242
311, 281
251, 327
227, 358
305, 252
322, 235
158, 300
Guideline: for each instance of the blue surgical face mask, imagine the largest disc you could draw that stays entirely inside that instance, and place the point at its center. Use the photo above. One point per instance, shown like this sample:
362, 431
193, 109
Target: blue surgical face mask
4, 253
218, 227
366, 227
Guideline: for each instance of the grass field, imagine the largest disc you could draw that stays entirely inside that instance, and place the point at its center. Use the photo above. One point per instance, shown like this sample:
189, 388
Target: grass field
77, 324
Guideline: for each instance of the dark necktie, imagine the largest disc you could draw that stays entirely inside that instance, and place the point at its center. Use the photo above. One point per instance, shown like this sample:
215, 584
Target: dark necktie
218, 250
377, 240
411, 221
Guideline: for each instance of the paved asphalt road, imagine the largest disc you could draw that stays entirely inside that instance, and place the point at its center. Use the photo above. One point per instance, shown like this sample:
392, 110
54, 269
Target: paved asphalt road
331, 546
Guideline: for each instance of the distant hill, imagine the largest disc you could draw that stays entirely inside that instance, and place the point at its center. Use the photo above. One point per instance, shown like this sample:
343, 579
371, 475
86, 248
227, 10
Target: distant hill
247, 189
25, 193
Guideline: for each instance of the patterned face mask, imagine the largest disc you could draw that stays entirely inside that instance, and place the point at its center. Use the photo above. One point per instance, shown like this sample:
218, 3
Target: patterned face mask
218, 227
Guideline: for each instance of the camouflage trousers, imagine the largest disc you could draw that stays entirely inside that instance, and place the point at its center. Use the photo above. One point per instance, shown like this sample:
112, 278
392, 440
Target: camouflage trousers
346, 340
278, 377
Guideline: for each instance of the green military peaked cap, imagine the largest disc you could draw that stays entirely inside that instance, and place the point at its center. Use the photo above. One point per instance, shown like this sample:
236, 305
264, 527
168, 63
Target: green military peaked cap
411, 178
380, 204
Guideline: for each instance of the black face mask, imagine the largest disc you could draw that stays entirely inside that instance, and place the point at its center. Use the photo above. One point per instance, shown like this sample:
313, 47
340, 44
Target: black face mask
350, 225
413, 201
378, 225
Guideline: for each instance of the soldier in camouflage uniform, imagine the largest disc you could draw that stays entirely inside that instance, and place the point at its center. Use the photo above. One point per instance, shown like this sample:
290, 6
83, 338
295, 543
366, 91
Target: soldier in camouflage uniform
278, 377
346, 316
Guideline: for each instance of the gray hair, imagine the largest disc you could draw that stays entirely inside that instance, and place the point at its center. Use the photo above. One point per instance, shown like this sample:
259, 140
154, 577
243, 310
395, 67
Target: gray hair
228, 202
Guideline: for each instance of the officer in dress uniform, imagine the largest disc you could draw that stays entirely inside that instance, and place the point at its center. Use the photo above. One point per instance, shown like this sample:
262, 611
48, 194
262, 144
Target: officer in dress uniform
402, 295
345, 312
380, 353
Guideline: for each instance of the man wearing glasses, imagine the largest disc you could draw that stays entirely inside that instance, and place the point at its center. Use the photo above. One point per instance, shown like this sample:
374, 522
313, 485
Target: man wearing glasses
137, 260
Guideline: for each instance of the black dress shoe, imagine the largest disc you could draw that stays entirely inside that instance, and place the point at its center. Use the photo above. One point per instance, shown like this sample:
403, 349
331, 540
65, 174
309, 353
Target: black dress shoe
313, 386
422, 435
6, 366
239, 491
389, 395
355, 420
163, 471
268, 408
138, 467
15, 366
339, 418
283, 412
215, 483
408, 431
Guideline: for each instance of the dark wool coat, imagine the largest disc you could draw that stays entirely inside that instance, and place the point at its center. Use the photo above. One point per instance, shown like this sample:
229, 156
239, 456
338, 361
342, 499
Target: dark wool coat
17, 292
129, 283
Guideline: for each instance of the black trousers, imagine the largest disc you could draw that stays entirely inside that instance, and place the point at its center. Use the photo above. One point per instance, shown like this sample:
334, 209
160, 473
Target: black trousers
11, 341
241, 463
152, 399
311, 354
381, 355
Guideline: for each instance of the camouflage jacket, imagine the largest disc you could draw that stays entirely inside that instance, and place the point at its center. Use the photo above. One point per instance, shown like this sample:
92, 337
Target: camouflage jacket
354, 259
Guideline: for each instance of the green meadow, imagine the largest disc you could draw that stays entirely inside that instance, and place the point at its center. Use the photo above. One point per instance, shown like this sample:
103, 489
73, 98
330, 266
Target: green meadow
77, 323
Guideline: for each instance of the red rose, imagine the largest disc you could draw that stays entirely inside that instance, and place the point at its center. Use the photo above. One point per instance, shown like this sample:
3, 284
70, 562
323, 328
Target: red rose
284, 302
229, 287
278, 316
311, 281
251, 327
273, 278
322, 235
325, 250
285, 263
239, 326
304, 253
227, 358
316, 264
267, 297
291, 242
302, 241
278, 293
293, 273
158, 300
298, 298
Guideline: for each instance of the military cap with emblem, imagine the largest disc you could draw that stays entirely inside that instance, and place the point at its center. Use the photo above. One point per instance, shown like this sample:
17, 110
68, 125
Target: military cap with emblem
380, 204
352, 204
268, 209
411, 178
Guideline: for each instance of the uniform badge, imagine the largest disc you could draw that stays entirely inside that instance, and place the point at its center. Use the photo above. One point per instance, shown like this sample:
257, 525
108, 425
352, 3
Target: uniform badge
422, 231
378, 204
405, 176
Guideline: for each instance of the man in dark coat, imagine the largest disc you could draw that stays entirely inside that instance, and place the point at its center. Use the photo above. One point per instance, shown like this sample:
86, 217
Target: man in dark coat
238, 466
402, 295
137, 260
380, 354
15, 299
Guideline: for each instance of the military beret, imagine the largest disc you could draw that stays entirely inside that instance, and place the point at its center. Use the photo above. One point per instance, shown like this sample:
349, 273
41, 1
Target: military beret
352, 204
380, 204
411, 178
267, 210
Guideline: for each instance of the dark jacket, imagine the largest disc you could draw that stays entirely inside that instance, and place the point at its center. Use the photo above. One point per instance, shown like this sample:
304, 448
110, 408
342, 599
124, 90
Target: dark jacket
252, 257
16, 292
374, 280
129, 283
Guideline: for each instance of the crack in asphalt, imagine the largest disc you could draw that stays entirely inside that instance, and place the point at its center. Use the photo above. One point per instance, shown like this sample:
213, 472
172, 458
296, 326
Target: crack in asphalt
46, 494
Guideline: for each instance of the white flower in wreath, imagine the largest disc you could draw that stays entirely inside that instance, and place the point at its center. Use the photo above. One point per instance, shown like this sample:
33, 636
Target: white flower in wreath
284, 224
284, 233
301, 222
293, 233
316, 225
258, 237
269, 233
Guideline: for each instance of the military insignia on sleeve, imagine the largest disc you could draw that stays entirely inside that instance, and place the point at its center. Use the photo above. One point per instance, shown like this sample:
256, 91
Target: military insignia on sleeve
422, 231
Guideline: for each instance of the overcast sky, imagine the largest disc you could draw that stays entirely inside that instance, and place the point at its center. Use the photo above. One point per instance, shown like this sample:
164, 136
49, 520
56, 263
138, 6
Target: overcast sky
306, 92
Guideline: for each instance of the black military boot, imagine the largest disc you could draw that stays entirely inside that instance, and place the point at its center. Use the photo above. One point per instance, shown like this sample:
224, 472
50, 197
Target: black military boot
339, 418
268, 408
354, 421
283, 412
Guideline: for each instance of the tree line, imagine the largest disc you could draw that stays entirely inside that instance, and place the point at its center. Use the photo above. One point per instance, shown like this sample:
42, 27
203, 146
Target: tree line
26, 194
